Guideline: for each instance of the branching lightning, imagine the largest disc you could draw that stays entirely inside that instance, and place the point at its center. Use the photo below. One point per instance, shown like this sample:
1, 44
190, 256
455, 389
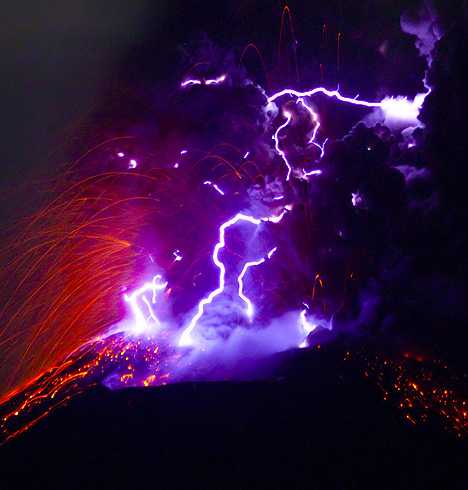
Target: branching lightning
240, 280
185, 338
142, 322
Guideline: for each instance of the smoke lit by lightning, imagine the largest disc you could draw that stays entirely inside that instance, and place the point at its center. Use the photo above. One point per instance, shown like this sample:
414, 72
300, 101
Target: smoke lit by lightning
307, 327
185, 338
393, 108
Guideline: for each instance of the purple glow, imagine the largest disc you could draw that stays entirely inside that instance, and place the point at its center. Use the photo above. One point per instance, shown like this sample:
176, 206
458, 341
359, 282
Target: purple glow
396, 108
132, 164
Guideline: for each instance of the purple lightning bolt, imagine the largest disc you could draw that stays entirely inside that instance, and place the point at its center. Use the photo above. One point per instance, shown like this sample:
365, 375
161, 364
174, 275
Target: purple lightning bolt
281, 153
240, 280
185, 338
215, 187
396, 108
328, 93
311, 172
211, 81
141, 324
314, 117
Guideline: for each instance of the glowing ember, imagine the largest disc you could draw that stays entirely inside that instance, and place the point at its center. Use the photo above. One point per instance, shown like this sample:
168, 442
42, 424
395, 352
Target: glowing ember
423, 390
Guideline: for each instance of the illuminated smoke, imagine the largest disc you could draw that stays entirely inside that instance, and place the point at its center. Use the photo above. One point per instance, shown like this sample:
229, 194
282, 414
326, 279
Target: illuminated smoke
186, 338
423, 24
401, 112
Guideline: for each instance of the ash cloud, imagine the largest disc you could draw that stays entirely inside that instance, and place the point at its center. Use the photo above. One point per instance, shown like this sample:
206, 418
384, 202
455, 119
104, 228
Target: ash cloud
401, 113
424, 25
380, 261
246, 353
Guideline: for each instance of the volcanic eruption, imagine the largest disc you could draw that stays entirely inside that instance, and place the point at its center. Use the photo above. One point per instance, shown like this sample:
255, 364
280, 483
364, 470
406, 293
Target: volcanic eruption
252, 225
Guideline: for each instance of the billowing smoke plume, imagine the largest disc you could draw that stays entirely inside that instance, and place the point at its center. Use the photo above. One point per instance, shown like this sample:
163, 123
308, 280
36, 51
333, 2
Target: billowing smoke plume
400, 112
423, 24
